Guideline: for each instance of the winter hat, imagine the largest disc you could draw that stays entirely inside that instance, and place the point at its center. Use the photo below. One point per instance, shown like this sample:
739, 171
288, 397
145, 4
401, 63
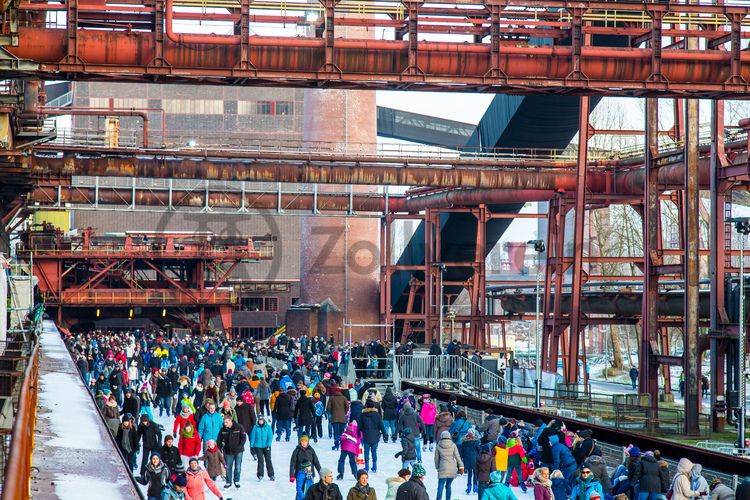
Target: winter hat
179, 467
156, 454
144, 418
125, 418
634, 451
193, 459
304, 438
425, 396
360, 473
180, 481
326, 472
417, 470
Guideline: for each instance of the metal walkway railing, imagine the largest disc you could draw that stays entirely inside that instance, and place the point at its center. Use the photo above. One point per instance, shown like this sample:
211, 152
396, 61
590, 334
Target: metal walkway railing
458, 372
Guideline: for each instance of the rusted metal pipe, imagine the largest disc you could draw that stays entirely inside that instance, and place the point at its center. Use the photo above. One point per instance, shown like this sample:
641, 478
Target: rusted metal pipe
48, 195
113, 111
297, 60
212, 39
304, 172
104, 112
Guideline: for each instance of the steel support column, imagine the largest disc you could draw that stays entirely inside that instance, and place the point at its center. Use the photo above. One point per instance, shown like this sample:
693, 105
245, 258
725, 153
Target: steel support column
571, 371
717, 262
555, 272
691, 263
648, 382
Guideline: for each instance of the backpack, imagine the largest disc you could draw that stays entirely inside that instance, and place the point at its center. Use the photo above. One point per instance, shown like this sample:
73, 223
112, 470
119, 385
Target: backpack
319, 409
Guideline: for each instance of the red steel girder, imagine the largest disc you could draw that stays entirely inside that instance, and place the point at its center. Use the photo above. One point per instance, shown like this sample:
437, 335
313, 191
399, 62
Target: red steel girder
121, 54
571, 367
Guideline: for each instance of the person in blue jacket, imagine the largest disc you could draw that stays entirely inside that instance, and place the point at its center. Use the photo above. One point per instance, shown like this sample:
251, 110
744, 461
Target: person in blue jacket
210, 425
558, 484
460, 428
469, 451
586, 484
497, 490
261, 438
563, 460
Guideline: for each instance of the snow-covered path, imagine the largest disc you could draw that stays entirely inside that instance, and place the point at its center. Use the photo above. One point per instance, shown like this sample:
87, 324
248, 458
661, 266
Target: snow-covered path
73, 456
282, 489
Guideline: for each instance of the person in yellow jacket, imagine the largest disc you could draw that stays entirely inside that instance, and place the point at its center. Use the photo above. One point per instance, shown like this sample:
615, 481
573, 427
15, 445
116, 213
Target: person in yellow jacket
500, 453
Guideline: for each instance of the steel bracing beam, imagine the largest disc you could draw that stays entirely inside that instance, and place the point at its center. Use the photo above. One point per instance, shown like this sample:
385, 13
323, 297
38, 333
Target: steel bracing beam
138, 43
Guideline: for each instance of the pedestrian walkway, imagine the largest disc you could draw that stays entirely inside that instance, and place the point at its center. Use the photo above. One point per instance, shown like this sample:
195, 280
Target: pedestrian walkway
281, 451
74, 457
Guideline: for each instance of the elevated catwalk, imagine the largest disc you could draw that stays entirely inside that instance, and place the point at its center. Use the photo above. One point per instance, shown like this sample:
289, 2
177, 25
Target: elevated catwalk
74, 456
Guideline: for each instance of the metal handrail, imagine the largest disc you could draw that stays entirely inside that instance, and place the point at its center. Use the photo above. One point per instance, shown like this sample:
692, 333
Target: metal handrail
457, 369
17, 479
17, 482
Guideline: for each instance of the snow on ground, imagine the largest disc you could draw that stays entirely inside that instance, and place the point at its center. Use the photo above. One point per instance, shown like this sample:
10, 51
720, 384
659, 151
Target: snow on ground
86, 487
77, 436
281, 452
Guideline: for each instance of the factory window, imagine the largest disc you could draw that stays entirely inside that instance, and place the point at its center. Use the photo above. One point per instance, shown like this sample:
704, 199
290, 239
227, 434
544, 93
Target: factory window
255, 332
270, 304
284, 107
264, 108
104, 102
193, 106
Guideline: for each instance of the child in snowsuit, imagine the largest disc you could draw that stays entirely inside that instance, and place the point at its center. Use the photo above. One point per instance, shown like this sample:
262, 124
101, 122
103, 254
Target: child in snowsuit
408, 451
213, 460
351, 438
469, 451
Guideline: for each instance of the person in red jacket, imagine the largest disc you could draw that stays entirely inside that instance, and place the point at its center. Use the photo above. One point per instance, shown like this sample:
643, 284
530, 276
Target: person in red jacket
190, 442
516, 456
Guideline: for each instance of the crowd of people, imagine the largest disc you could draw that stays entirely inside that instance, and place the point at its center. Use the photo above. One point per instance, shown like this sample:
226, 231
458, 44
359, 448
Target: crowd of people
225, 398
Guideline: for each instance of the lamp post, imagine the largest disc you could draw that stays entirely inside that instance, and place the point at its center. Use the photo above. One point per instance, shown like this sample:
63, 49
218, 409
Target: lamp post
742, 226
539, 249
441, 267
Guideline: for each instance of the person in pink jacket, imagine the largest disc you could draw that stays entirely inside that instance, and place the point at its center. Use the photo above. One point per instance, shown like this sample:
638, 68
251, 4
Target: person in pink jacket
197, 480
350, 441
428, 411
